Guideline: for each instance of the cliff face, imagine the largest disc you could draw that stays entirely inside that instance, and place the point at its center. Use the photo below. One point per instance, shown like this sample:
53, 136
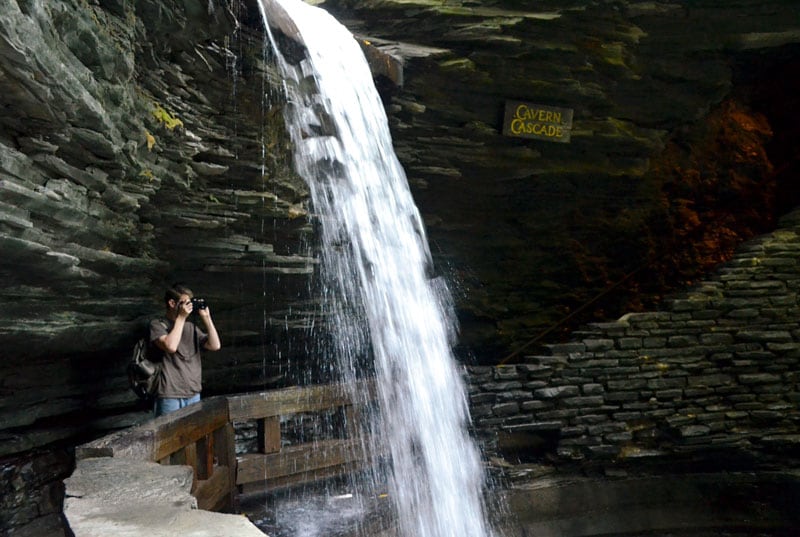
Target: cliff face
141, 143
666, 169
138, 148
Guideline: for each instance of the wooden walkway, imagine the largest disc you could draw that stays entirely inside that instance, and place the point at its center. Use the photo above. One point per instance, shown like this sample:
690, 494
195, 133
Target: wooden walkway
202, 436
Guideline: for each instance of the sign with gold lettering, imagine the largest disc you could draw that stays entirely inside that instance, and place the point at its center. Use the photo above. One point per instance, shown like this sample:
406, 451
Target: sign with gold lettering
528, 120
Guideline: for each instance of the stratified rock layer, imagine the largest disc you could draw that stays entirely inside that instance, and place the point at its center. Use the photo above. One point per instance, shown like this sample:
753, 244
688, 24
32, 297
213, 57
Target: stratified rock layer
142, 143
139, 148
537, 237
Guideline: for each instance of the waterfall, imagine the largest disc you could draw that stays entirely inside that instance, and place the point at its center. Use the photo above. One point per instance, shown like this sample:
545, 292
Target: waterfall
377, 275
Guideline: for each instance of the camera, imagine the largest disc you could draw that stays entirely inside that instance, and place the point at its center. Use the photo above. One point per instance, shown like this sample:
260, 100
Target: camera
198, 304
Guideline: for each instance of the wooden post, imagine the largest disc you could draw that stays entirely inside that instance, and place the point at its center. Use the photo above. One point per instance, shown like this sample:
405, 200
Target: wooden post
269, 435
179, 458
188, 456
225, 452
351, 421
205, 457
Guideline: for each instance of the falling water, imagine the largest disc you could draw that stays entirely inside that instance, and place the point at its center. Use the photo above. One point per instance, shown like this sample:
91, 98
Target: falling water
377, 270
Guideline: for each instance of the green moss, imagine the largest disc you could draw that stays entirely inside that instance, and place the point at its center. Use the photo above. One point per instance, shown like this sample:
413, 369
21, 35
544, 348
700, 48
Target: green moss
165, 118
459, 64
614, 54
466, 69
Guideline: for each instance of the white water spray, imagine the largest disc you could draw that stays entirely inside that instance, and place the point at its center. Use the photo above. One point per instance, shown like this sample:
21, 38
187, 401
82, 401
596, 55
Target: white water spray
376, 265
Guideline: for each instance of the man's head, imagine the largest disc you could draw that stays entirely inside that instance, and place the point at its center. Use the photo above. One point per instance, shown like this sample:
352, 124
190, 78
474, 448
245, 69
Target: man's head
177, 294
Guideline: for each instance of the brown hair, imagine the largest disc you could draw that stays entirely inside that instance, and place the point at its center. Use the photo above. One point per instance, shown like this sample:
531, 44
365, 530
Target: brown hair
175, 292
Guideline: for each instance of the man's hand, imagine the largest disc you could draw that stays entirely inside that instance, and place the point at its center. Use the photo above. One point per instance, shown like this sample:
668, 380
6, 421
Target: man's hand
169, 342
184, 308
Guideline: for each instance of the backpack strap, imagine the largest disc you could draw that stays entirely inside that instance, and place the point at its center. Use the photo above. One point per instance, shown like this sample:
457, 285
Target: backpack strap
156, 352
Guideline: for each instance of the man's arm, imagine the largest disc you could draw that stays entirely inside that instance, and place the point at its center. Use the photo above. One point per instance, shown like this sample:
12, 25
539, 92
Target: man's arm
212, 343
169, 342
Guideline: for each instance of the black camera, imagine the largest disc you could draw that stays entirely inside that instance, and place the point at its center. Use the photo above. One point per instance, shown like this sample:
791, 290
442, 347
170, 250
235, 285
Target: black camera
198, 304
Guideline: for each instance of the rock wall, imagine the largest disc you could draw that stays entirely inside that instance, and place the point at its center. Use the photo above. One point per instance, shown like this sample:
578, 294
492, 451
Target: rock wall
33, 493
133, 155
713, 375
539, 237
138, 148
141, 143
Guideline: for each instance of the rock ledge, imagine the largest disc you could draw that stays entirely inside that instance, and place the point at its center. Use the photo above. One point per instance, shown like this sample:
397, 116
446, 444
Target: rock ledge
125, 497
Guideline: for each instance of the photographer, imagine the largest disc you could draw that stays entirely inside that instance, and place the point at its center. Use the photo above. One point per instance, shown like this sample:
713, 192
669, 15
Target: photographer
181, 341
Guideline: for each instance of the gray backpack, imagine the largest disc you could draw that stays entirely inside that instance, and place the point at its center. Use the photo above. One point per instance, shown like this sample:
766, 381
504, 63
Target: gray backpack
143, 369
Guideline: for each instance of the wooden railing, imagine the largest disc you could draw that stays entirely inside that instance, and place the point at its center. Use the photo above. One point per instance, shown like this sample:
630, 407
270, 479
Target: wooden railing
202, 436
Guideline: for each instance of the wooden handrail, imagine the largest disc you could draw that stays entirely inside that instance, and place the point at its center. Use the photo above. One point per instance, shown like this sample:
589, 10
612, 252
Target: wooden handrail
287, 401
277, 466
202, 436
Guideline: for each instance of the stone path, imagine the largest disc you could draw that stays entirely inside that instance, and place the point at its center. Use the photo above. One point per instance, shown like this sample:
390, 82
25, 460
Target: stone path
126, 498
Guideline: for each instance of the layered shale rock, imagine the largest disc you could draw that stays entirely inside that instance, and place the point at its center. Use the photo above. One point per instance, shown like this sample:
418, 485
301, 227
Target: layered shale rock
537, 237
142, 143
138, 148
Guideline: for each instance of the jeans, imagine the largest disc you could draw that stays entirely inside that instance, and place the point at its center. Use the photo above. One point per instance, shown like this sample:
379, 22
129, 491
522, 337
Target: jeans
164, 405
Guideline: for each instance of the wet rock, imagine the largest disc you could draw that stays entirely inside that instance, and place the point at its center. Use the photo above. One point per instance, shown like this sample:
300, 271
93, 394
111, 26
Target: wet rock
121, 496
138, 148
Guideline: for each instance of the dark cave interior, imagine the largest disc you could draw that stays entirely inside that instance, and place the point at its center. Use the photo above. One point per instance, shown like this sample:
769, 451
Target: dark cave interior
722, 181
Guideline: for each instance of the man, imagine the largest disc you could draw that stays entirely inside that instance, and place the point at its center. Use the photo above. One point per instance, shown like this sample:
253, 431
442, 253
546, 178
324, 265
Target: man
181, 341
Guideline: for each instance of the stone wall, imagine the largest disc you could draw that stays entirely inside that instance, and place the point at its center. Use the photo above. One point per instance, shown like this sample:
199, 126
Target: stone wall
716, 369
32, 493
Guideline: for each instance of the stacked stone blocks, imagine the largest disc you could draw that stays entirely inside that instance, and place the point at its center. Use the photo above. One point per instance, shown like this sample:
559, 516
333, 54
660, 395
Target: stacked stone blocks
717, 368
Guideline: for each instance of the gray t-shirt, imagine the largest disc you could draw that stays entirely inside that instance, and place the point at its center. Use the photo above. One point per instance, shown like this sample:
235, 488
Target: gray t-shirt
181, 373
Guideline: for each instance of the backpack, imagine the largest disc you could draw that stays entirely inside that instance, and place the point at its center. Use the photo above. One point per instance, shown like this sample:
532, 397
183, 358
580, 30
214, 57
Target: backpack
143, 369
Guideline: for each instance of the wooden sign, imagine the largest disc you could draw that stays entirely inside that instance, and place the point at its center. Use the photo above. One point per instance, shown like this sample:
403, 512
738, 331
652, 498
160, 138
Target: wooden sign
529, 120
